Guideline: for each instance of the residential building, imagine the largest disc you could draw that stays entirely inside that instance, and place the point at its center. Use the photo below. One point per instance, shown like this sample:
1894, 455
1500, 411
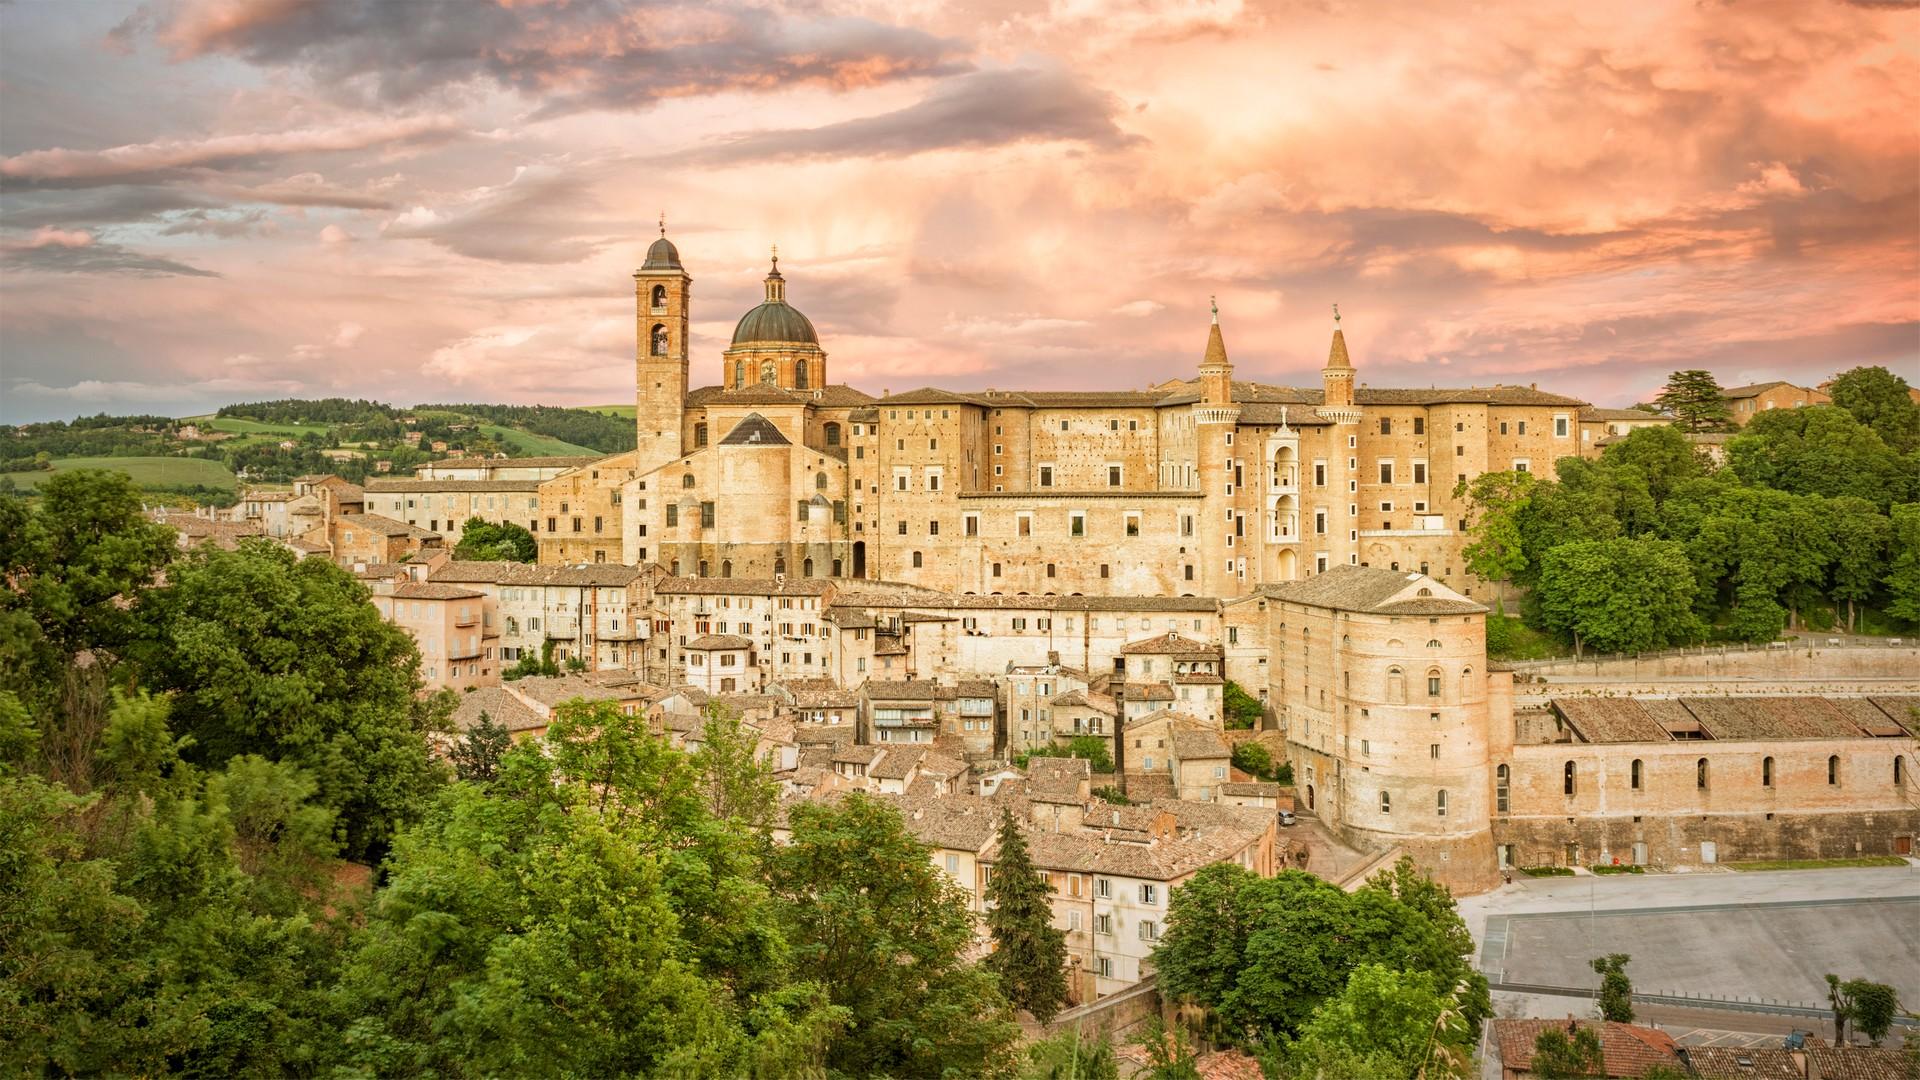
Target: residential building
1746, 402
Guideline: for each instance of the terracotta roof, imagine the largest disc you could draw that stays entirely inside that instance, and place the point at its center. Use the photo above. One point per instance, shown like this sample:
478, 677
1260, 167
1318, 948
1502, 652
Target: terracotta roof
1628, 1050
1904, 710
824, 699
551, 461
1242, 787
1857, 1063
434, 590
794, 586
956, 822
928, 395
497, 572
897, 763
402, 484
1594, 413
755, 430
1228, 1065
1609, 720
551, 690
1170, 644
709, 642
1153, 691
1087, 698
1752, 389
1771, 718
385, 526
1192, 743
1727, 1063
905, 690
500, 705
1369, 589
847, 618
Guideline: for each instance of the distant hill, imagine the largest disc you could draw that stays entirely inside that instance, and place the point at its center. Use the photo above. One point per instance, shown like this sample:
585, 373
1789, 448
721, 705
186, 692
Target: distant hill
203, 457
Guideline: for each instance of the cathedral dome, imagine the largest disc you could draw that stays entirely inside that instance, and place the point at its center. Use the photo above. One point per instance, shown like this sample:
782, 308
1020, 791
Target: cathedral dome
775, 320
662, 256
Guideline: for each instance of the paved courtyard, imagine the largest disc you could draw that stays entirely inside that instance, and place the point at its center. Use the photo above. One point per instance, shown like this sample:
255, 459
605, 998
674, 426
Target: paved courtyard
1770, 936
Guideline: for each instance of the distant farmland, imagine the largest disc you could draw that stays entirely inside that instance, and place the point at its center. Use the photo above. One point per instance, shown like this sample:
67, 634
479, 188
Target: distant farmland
611, 410
156, 472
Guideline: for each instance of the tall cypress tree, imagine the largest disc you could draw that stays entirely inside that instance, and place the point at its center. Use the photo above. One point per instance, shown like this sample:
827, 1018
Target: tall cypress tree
1030, 953
1694, 397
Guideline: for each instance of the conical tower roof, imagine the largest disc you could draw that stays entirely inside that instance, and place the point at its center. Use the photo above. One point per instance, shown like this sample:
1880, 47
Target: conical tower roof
1216, 345
1337, 355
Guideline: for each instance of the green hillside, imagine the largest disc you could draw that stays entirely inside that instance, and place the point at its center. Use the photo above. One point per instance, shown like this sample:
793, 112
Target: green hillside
147, 472
526, 443
611, 410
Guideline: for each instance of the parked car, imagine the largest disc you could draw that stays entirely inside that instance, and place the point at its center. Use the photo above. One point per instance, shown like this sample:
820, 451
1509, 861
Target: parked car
1286, 819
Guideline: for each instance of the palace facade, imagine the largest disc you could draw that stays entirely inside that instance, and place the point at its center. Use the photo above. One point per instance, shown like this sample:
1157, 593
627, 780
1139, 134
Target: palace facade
1201, 486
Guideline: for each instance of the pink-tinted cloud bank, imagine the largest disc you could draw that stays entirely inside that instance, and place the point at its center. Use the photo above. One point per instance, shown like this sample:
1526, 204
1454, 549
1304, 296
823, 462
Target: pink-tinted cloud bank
196, 196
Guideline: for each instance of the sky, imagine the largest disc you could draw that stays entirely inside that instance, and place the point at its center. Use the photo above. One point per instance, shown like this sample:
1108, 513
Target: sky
210, 201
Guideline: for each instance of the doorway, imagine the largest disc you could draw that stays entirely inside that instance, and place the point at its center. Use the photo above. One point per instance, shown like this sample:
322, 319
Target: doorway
1709, 852
1309, 796
859, 558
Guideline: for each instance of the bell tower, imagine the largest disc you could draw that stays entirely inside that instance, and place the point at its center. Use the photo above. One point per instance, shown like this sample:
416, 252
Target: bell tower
661, 291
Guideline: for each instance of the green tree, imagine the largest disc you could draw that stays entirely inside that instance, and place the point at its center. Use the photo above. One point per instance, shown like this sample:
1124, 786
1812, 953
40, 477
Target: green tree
1568, 1053
1616, 990
1820, 450
75, 567
489, 541
1694, 398
738, 785
1253, 759
1496, 503
1242, 709
283, 657
885, 932
1880, 399
1874, 1007
1862, 536
1903, 570
1618, 595
1383, 1023
1840, 1000
1169, 1050
1090, 748
1069, 1055
1262, 953
1029, 956
476, 755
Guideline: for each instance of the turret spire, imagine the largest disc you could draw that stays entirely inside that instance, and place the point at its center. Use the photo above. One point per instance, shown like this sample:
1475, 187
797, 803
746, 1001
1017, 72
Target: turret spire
776, 285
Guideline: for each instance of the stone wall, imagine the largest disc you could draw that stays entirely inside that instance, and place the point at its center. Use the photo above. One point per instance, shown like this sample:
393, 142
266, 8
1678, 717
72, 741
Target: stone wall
1801, 660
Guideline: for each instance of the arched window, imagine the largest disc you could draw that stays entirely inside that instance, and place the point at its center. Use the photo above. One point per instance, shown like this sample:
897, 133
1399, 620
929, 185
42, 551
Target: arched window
917, 560
806, 568
1433, 682
820, 481
1396, 686
1050, 570
1386, 802
1424, 591
1566, 780
1440, 803
833, 434
703, 568
1700, 774
800, 374
659, 298
659, 339
1433, 643
674, 568
1502, 788
780, 566
1639, 773
1899, 771
726, 567
1766, 772
739, 374
699, 434
1833, 769
766, 371
686, 480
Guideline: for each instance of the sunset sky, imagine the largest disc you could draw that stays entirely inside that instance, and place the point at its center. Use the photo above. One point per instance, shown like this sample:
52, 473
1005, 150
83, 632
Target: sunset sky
206, 201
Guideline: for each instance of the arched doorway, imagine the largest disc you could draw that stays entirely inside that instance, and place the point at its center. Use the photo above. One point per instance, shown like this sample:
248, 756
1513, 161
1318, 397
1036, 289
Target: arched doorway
859, 558
1309, 796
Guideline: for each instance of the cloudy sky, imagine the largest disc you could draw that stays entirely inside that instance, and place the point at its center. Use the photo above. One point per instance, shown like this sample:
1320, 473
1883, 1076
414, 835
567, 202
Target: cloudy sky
205, 201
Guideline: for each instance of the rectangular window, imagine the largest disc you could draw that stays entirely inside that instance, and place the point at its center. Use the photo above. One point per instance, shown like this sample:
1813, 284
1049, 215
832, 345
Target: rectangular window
1523, 427
673, 516
1319, 474
1419, 472
1023, 524
970, 524
1103, 888
1522, 465
1386, 472
1320, 522
1149, 894
1559, 427
1419, 425
1113, 476
1133, 523
933, 528
1046, 476
1077, 523
1148, 931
